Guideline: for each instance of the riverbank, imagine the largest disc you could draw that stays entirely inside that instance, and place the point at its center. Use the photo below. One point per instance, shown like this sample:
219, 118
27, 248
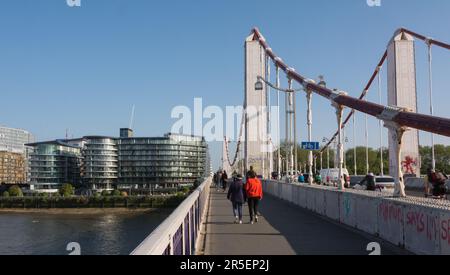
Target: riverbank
79, 202
84, 211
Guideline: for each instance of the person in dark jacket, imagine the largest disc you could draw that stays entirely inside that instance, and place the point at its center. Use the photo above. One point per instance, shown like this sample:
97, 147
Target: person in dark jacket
370, 182
224, 180
236, 195
251, 173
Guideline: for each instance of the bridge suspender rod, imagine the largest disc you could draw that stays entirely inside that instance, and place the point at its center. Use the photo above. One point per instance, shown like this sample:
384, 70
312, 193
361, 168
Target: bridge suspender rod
430, 84
362, 96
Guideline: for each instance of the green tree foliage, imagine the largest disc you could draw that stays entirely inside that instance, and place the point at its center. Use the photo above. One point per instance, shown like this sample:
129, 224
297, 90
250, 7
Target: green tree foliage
374, 161
15, 191
67, 190
6, 194
115, 193
442, 154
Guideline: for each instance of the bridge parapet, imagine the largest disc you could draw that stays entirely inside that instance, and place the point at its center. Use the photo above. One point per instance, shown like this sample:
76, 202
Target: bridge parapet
420, 225
178, 234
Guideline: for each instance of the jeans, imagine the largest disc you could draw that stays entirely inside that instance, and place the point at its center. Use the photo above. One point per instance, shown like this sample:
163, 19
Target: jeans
253, 207
237, 210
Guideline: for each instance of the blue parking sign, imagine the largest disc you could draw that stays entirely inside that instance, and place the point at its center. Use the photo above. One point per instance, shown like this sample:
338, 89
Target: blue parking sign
312, 146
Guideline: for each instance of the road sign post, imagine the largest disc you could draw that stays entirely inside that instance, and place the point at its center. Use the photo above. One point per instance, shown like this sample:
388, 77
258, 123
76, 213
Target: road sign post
311, 146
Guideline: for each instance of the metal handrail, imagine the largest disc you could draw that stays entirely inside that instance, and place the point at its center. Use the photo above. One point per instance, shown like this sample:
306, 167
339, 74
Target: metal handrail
161, 242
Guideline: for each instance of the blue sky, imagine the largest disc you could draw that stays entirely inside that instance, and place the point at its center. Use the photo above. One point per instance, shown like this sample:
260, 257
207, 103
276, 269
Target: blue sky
83, 68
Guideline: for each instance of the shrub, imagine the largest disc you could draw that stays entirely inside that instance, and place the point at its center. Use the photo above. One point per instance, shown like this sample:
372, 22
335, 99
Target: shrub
6, 194
116, 193
15, 191
67, 190
105, 193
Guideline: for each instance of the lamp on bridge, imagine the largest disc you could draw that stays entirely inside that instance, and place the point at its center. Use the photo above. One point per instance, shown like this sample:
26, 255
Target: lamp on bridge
259, 85
322, 81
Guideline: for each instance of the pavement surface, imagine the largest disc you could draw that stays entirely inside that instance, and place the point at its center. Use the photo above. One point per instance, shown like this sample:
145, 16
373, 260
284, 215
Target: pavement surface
283, 229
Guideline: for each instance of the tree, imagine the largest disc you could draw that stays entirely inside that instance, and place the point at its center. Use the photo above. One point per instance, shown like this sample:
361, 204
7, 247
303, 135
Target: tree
105, 193
442, 157
15, 191
6, 194
374, 161
115, 193
67, 190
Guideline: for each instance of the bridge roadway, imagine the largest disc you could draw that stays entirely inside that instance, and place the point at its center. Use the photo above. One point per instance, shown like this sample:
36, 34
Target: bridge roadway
283, 229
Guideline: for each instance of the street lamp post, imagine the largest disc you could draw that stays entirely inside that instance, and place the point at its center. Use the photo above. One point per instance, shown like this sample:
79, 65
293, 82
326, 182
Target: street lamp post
325, 140
321, 162
380, 124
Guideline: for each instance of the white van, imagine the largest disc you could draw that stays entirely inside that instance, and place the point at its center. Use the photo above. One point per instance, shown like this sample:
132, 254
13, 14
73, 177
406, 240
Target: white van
331, 176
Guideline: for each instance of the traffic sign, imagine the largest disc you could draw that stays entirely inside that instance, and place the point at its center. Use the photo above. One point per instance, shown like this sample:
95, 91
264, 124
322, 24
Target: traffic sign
312, 146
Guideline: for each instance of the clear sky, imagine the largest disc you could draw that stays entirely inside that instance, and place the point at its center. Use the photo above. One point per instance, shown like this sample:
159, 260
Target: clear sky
83, 68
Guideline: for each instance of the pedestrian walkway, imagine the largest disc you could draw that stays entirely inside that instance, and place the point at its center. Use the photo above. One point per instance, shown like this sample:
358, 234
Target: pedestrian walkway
283, 229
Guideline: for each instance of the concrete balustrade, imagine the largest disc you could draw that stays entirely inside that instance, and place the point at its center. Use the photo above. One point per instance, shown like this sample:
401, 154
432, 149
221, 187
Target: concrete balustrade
420, 225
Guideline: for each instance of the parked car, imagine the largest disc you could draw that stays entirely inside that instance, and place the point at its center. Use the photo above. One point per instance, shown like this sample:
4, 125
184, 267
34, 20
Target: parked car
331, 176
385, 182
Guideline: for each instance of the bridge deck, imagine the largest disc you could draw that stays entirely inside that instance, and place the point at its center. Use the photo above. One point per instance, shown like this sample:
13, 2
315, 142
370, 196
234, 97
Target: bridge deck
283, 229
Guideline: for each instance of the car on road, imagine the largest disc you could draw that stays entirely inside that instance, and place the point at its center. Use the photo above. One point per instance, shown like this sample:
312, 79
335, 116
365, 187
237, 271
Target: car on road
331, 176
384, 182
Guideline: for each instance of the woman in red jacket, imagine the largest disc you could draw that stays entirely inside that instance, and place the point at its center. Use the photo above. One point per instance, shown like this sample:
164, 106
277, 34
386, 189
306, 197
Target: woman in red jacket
253, 188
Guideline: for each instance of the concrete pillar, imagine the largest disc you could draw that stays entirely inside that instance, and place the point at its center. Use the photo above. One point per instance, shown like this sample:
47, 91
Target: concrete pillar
256, 143
402, 93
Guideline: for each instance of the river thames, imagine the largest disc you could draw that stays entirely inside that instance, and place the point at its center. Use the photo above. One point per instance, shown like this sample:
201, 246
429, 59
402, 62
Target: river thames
99, 232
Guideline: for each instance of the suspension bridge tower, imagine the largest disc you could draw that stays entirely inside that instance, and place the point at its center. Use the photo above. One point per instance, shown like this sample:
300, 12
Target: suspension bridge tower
255, 141
402, 92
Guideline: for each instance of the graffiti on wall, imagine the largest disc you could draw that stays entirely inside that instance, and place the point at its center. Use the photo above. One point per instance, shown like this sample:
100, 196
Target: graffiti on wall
409, 165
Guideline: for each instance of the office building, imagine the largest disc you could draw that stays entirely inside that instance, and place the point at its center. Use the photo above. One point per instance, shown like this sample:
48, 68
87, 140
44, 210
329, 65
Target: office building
164, 161
14, 155
126, 162
54, 163
101, 165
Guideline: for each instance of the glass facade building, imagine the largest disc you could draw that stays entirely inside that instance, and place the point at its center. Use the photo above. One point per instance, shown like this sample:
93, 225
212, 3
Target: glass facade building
14, 140
167, 161
100, 163
106, 163
53, 164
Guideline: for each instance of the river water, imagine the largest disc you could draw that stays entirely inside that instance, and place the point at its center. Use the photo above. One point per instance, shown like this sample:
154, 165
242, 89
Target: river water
104, 233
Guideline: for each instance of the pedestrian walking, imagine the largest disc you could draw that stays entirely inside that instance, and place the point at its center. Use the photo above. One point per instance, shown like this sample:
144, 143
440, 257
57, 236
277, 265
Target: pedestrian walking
251, 173
237, 196
253, 188
224, 181
219, 180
